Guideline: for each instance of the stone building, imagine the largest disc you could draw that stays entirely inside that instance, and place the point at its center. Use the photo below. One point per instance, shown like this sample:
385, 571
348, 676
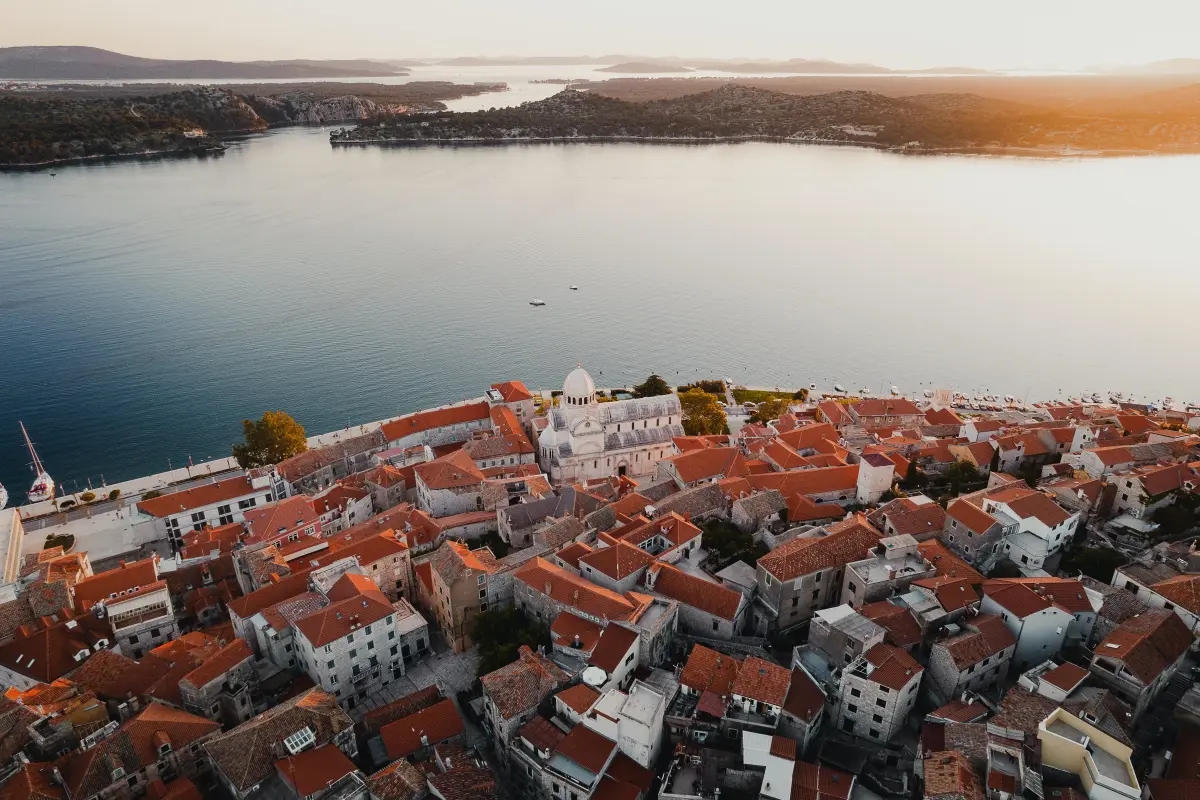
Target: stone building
587, 440
973, 661
449, 485
894, 564
512, 693
1139, 658
877, 693
706, 609
220, 687
317, 469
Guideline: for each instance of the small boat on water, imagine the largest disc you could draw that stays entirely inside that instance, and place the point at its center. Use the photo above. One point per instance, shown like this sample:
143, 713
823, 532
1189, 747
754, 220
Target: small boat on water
928, 393
53, 174
895, 391
536, 302
3, 496
837, 387
574, 288
43, 484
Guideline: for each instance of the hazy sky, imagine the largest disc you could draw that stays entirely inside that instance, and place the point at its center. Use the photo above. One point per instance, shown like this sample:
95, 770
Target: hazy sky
918, 33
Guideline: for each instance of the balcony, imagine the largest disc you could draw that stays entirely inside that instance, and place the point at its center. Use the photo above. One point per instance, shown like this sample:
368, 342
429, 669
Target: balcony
346, 788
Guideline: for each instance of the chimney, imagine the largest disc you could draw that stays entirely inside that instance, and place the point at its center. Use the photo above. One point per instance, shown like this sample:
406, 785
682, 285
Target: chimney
578, 643
424, 739
548, 587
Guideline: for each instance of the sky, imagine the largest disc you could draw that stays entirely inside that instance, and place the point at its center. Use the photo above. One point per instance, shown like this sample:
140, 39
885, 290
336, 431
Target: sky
1038, 34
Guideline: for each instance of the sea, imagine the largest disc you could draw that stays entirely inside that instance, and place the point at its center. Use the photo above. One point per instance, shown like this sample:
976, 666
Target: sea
148, 307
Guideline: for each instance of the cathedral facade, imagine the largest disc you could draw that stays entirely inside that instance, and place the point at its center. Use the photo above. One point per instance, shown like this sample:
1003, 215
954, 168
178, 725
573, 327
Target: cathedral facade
587, 440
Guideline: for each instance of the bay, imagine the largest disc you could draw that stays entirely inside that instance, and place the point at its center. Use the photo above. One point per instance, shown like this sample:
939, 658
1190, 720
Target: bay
146, 307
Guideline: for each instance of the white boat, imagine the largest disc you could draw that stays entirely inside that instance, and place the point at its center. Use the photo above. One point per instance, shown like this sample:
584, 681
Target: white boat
536, 302
812, 387
3, 496
864, 390
43, 484
929, 392
574, 288
837, 387
53, 174
895, 391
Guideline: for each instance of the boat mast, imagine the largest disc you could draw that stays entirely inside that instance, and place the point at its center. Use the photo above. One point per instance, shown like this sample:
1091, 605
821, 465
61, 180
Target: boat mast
37, 462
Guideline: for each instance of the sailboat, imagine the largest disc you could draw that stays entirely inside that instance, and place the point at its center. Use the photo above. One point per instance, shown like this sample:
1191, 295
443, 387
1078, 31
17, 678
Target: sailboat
43, 484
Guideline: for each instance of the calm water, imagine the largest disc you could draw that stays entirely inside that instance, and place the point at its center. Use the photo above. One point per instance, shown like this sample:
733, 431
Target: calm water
146, 308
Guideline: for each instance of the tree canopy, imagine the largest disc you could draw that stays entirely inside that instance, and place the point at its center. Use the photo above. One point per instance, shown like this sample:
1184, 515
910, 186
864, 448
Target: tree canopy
702, 416
768, 410
269, 440
500, 634
653, 387
1098, 562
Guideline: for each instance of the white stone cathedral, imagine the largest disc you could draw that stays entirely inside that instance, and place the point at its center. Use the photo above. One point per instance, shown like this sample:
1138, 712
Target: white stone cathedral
587, 440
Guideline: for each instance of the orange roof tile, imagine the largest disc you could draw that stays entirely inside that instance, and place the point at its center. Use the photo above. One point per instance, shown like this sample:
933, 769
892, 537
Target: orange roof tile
762, 681
574, 591
946, 562
567, 626
586, 748
206, 494
710, 597
614, 645
708, 670
513, 391
219, 664
316, 770
707, 463
437, 723
452, 471
843, 544
894, 667
123, 579
579, 698
618, 561
1066, 676
951, 593
436, 418
517, 687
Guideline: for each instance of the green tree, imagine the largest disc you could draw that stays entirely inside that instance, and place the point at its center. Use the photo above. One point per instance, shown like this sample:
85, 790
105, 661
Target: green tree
269, 440
702, 416
500, 634
768, 410
653, 387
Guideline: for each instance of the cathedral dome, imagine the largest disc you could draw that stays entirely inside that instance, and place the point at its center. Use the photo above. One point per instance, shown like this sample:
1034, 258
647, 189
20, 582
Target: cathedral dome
578, 388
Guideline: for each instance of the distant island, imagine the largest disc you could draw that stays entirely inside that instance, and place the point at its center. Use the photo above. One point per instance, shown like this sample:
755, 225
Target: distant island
91, 63
643, 68
43, 125
1161, 122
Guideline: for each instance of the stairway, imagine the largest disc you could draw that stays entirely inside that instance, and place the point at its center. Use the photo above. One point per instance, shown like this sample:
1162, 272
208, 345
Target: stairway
1159, 715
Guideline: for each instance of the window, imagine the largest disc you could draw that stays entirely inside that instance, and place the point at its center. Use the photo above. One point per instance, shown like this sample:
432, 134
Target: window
818, 578
329, 664
874, 733
716, 626
154, 632
629, 658
816, 593
852, 588
855, 693
354, 653
368, 630
876, 718
881, 703
795, 602
853, 709
393, 650
885, 689
133, 639
391, 634
328, 649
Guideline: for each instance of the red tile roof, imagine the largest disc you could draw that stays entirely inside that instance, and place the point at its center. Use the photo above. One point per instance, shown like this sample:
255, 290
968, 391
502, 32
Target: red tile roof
540, 733
974, 518
845, 543
617, 562
342, 617
102, 586
1017, 598
206, 494
707, 463
894, 667
615, 643
708, 670
951, 593
960, 711
572, 553
1148, 643
579, 698
1182, 590
518, 687
971, 648
804, 698
1065, 676
437, 418
711, 598
567, 626
218, 665
949, 774
822, 480
574, 591
437, 723
586, 748
762, 681
452, 471
782, 747
513, 391
946, 562
901, 626
813, 782
315, 770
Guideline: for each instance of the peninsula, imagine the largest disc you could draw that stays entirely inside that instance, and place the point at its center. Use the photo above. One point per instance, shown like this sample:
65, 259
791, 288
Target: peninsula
41, 125
1160, 122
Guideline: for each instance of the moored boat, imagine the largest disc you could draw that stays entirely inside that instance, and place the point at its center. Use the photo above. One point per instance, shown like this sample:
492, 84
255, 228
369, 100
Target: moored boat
43, 484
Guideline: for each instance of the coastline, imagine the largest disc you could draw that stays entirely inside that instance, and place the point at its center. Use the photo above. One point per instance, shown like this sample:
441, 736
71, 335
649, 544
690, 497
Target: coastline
999, 151
214, 151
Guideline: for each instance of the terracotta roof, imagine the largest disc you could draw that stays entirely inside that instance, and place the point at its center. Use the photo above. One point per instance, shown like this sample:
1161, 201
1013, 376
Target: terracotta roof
32, 781
218, 665
246, 755
513, 391
974, 518
894, 667
540, 733
419, 700
901, 626
971, 648
1039, 506
436, 723
474, 783
206, 494
572, 590
1182, 590
711, 598
822, 480
960, 711
133, 747
437, 418
579, 698
951, 593
102, 586
399, 780
49, 653
1017, 598
946, 562
1148, 643
586, 748
707, 463
572, 553
1065, 676
915, 520
517, 687
1022, 710
814, 782
804, 698
942, 416
805, 556
342, 617
709, 670
949, 774
567, 626
782, 747
762, 681
617, 562
615, 643
452, 471
315, 770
